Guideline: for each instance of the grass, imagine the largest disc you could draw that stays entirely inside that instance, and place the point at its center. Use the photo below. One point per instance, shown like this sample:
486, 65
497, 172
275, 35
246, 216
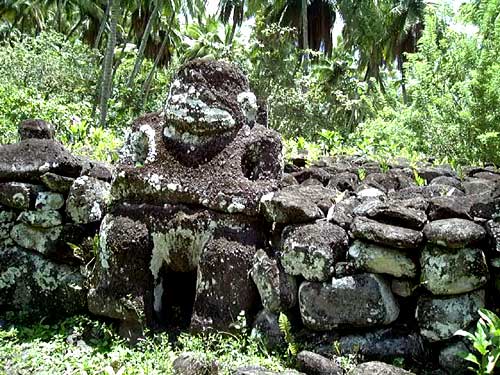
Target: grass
81, 345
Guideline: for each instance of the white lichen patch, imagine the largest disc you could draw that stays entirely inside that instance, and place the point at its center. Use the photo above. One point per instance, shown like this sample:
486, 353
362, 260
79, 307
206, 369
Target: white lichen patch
41, 218
47, 200
104, 255
87, 200
9, 277
38, 239
248, 103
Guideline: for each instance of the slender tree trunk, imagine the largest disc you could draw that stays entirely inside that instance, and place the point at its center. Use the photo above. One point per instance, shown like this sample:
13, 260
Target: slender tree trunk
102, 26
144, 41
107, 66
74, 28
147, 85
305, 35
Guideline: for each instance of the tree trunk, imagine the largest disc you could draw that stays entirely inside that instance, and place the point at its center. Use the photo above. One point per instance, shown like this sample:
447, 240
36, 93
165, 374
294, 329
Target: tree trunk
147, 85
144, 40
107, 66
102, 26
305, 35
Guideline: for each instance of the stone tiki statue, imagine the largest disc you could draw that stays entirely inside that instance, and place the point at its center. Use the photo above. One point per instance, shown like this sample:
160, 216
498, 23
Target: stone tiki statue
177, 244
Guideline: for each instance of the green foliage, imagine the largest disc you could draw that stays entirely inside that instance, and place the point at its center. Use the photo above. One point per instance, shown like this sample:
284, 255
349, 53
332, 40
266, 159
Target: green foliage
486, 342
286, 329
84, 346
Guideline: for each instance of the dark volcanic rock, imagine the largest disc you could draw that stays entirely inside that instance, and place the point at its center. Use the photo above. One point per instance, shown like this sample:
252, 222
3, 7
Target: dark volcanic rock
325, 306
454, 233
392, 212
57, 183
266, 325
225, 287
428, 191
344, 181
38, 129
122, 276
440, 318
278, 290
342, 213
448, 207
316, 173
290, 205
33, 285
453, 272
194, 364
493, 229
315, 364
385, 345
379, 368
87, 200
19, 195
31, 158
370, 230
446, 180
312, 250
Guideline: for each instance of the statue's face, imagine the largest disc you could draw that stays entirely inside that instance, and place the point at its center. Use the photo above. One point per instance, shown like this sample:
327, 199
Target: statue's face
202, 105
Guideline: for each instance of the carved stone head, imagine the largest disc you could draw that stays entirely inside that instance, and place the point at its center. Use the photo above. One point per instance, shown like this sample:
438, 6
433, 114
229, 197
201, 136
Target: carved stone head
209, 101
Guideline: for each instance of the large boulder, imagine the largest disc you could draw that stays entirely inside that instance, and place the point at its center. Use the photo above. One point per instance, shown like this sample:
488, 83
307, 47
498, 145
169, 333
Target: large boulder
325, 306
379, 259
312, 250
384, 234
122, 277
453, 272
454, 233
38, 287
440, 318
277, 289
29, 159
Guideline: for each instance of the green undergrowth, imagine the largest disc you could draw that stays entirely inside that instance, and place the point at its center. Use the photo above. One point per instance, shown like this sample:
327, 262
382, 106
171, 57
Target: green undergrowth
81, 345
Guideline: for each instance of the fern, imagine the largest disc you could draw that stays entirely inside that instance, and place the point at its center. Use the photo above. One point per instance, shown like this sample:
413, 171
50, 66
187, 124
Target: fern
286, 329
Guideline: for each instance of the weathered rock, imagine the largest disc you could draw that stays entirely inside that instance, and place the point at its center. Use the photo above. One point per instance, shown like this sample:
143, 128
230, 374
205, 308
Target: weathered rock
430, 173
122, 277
403, 288
483, 206
29, 159
277, 290
366, 193
288, 180
57, 183
315, 173
487, 175
384, 344
224, 284
33, 285
38, 129
342, 213
41, 218
87, 200
446, 180
343, 269
315, 364
454, 233
312, 182
370, 230
190, 363
379, 368
95, 169
447, 208
179, 243
453, 272
478, 186
379, 259
266, 326
330, 305
7, 219
440, 318
343, 181
289, 206
389, 181
427, 192
312, 250
18, 195
43, 240
451, 361
392, 213
47, 200
493, 229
